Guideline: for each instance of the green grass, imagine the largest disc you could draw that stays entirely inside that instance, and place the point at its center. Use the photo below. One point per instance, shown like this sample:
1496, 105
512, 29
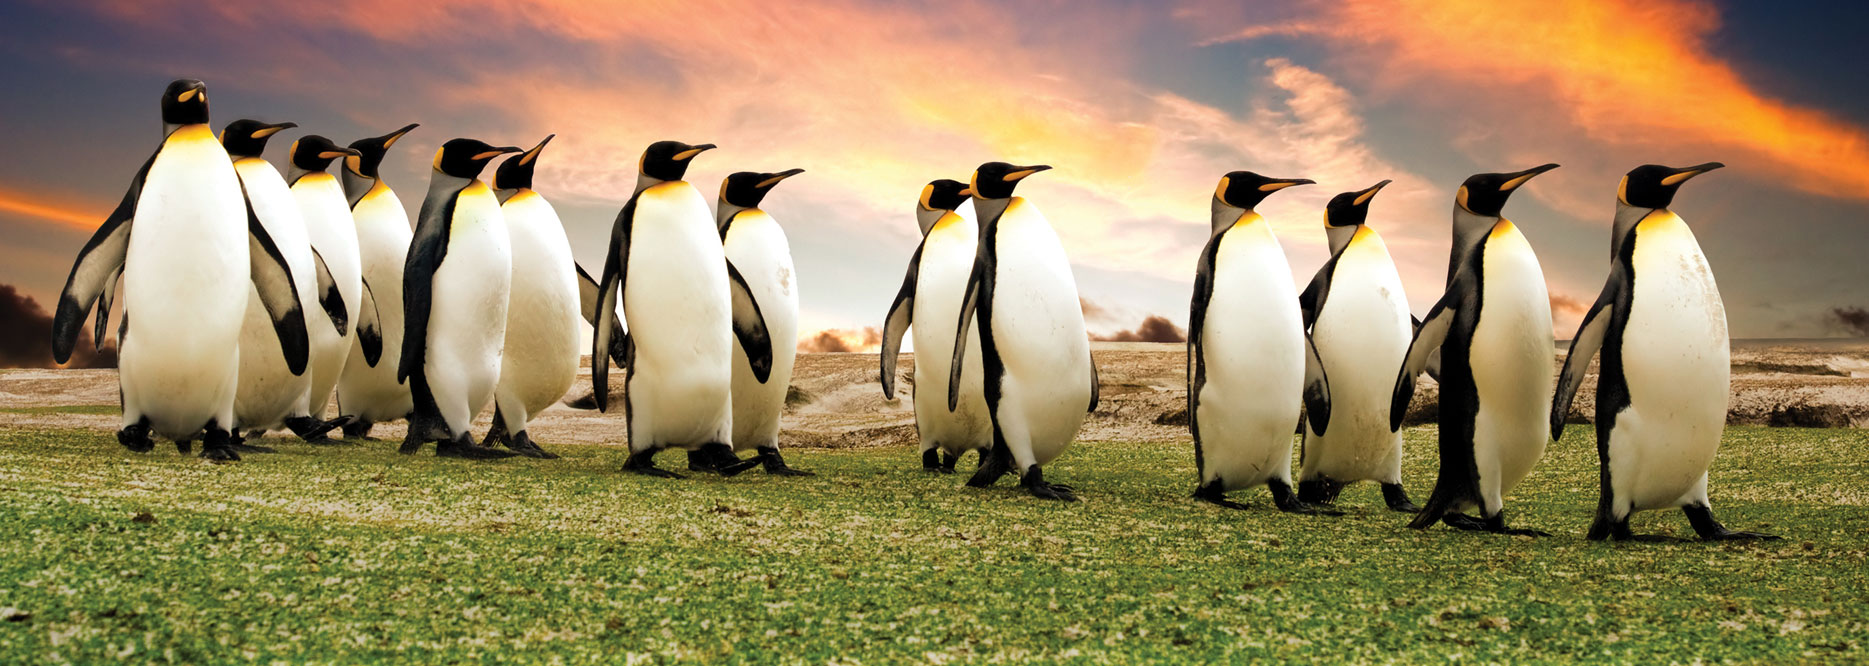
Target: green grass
64, 409
354, 554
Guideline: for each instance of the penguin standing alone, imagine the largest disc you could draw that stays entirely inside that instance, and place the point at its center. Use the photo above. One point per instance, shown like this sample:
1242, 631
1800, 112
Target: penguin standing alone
756, 245
187, 246
367, 391
1357, 314
541, 355
685, 303
455, 288
930, 294
1039, 379
1666, 371
1493, 328
340, 277
1253, 365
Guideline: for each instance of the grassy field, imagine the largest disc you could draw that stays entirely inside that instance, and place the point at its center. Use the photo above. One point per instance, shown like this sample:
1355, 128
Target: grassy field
349, 554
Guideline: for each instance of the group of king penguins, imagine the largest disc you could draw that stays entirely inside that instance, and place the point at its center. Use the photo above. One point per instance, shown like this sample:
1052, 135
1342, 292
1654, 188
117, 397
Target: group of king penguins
220, 259
1003, 367
250, 299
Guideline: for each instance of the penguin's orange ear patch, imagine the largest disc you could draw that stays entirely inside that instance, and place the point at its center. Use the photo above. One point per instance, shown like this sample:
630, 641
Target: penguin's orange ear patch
438, 153
927, 191
1461, 199
1220, 192
1622, 190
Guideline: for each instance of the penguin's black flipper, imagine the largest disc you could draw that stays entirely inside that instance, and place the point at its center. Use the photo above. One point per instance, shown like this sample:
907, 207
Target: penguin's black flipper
609, 292
1311, 301
749, 326
969, 302
1428, 338
272, 280
426, 251
104, 299
1583, 346
1096, 389
901, 314
101, 257
587, 302
1317, 388
370, 327
329, 297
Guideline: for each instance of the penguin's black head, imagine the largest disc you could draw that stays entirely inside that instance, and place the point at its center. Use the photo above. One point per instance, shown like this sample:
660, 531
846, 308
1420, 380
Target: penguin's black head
466, 158
747, 188
668, 160
1351, 208
247, 137
996, 180
185, 102
1486, 193
944, 194
314, 153
1245, 189
516, 173
1654, 185
370, 152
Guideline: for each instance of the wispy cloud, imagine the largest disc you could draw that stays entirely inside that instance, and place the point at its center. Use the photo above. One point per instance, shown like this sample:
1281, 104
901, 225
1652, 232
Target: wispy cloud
74, 215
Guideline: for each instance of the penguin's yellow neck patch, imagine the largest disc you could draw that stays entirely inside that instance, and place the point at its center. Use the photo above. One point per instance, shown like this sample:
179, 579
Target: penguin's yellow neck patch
316, 177
1247, 219
1503, 228
193, 134
1362, 235
1660, 221
522, 195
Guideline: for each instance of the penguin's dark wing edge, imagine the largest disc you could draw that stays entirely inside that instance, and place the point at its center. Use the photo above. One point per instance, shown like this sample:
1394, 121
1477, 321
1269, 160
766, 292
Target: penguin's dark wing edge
104, 299
1583, 346
272, 280
609, 291
101, 257
1311, 301
370, 327
329, 297
1433, 332
1095, 389
587, 301
901, 314
426, 252
1316, 388
970, 301
749, 325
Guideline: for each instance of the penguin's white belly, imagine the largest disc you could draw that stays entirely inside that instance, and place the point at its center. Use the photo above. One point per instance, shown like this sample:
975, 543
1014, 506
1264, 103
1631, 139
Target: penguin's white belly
383, 238
1038, 329
1253, 352
269, 392
541, 350
757, 246
185, 283
467, 320
1362, 335
1511, 357
334, 235
1677, 364
676, 305
946, 263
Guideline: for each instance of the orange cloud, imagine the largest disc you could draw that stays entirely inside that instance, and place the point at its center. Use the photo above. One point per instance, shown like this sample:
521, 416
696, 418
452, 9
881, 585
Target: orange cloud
838, 340
74, 216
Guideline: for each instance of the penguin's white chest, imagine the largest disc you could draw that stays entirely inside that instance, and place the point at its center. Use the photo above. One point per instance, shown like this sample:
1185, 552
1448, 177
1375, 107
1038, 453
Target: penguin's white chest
541, 354
268, 389
1362, 334
946, 264
383, 237
1511, 358
1252, 349
467, 321
1038, 329
758, 249
676, 305
1676, 362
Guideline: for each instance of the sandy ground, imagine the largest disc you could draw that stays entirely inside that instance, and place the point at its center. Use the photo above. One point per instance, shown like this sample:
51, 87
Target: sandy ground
836, 401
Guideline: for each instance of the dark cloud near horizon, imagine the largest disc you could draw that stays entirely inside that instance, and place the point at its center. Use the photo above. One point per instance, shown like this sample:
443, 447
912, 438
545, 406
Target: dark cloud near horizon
26, 336
1154, 328
1852, 320
841, 340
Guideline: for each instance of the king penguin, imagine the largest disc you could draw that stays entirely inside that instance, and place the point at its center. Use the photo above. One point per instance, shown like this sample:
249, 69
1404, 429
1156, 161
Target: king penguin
1253, 366
367, 391
685, 304
340, 277
455, 289
1666, 370
541, 355
756, 245
1037, 374
1493, 328
930, 295
269, 391
1357, 314
187, 247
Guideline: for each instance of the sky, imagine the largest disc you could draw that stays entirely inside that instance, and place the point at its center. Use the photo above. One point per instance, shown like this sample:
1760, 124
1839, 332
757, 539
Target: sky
1140, 107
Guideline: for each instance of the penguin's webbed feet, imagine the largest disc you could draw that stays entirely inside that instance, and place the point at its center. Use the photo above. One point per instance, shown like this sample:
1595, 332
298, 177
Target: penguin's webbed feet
313, 430
1288, 502
522, 444
931, 463
643, 462
1701, 518
216, 446
775, 463
358, 428
465, 448
1495, 524
240, 444
1034, 482
718, 458
1214, 493
1397, 498
135, 437
993, 465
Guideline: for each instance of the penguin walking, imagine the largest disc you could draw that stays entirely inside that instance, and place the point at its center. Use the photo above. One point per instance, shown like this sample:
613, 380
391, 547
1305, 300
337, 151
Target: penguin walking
685, 304
1357, 313
367, 390
541, 356
1666, 370
756, 245
1037, 375
269, 391
455, 289
1253, 366
1493, 328
187, 247
340, 277
930, 295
